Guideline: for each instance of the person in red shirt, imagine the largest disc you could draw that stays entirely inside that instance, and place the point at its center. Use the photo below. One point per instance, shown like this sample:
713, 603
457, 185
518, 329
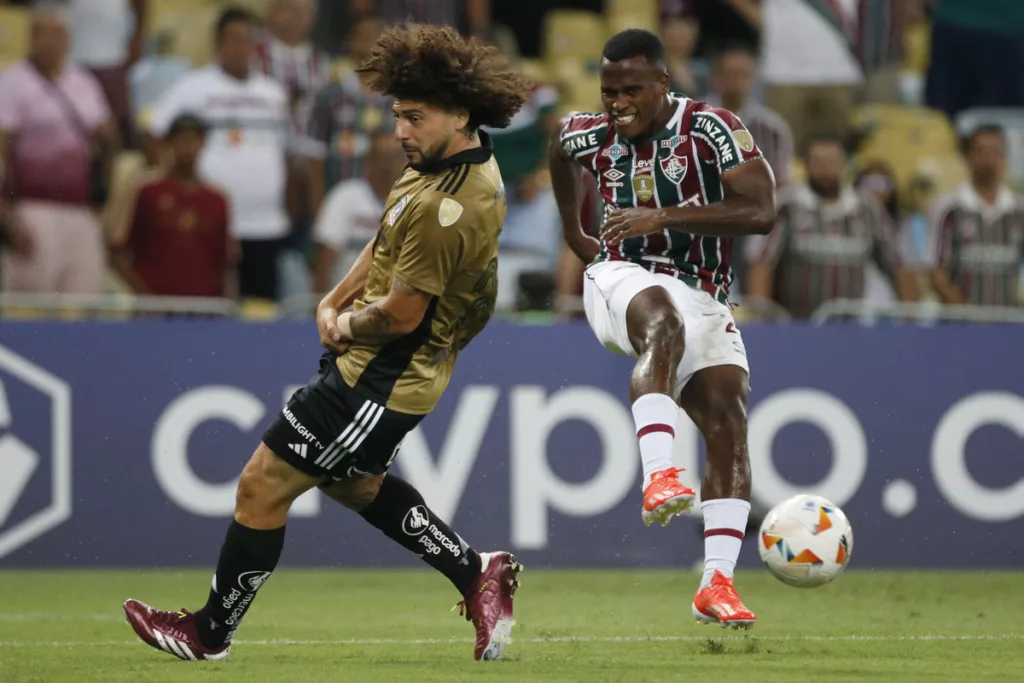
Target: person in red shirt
178, 241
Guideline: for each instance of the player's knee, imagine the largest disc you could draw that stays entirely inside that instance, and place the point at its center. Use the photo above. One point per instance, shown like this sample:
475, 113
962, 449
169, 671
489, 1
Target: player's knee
355, 494
665, 329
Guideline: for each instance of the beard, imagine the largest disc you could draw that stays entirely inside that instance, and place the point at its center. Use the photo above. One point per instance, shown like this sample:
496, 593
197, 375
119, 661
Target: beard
828, 188
430, 156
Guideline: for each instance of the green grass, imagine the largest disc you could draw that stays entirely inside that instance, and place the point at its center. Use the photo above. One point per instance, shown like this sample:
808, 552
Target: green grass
572, 626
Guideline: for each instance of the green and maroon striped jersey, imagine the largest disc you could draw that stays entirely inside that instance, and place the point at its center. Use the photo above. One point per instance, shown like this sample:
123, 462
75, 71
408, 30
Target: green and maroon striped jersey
980, 246
821, 251
680, 166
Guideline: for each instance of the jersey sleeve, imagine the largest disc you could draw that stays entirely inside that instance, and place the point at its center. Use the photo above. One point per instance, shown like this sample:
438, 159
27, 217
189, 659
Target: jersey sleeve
583, 134
885, 250
433, 244
730, 142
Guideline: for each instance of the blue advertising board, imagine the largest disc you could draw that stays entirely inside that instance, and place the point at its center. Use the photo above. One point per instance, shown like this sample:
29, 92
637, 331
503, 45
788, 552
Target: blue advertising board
120, 444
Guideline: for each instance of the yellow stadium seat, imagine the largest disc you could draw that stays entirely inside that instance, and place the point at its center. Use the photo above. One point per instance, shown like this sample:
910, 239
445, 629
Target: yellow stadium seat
627, 21
193, 33
14, 34
646, 10
259, 309
167, 12
925, 128
573, 34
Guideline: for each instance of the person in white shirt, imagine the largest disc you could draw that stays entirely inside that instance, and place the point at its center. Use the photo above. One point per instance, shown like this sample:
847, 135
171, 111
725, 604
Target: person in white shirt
809, 67
351, 213
245, 152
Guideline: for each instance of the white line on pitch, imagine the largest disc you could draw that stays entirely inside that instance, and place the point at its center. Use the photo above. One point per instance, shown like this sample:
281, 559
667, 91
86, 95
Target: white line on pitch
713, 635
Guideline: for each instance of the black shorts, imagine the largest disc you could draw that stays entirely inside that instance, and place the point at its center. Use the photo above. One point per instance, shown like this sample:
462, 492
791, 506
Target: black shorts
328, 429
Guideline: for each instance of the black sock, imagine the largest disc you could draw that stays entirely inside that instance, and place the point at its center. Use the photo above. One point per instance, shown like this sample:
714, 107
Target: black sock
399, 511
246, 560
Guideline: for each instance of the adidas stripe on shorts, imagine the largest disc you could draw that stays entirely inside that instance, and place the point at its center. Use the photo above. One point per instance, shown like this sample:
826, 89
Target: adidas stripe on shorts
328, 429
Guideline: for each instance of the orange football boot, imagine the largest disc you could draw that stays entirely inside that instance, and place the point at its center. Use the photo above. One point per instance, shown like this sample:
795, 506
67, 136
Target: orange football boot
665, 497
719, 603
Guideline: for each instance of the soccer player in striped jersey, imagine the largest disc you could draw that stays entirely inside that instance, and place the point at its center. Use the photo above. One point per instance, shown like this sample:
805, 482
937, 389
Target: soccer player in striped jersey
679, 179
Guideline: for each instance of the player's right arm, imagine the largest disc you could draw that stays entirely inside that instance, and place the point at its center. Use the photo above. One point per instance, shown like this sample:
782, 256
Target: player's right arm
568, 186
341, 297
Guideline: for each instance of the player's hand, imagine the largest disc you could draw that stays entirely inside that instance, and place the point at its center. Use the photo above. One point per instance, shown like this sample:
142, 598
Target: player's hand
327, 324
623, 223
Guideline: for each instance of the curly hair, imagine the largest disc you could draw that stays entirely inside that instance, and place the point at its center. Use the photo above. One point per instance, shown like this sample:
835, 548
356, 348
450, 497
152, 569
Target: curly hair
434, 64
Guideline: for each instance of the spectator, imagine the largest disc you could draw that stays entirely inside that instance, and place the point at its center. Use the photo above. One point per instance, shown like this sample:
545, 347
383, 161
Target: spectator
56, 139
107, 39
977, 55
154, 74
978, 230
352, 211
285, 53
245, 153
876, 180
810, 71
530, 238
825, 237
345, 116
178, 240
732, 81
679, 35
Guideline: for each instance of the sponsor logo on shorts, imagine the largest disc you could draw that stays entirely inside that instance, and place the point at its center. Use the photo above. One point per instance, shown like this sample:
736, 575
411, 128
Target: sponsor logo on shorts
416, 521
251, 581
300, 428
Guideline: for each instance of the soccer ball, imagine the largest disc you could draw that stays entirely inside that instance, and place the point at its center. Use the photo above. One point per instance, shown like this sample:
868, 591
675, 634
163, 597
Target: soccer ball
805, 541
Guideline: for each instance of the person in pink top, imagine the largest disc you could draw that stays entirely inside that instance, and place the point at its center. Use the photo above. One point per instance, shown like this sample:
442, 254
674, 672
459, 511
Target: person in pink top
54, 120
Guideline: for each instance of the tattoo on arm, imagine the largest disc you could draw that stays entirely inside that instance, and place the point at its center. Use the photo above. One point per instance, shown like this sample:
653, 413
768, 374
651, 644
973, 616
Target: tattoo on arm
375, 324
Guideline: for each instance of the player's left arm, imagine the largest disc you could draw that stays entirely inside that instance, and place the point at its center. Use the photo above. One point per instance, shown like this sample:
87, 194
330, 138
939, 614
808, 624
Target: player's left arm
748, 185
430, 253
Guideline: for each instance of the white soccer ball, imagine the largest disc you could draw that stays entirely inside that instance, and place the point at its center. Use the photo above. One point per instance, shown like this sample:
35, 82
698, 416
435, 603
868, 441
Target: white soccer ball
805, 541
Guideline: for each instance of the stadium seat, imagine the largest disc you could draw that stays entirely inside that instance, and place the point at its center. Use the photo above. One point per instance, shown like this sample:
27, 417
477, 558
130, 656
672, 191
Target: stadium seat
166, 12
14, 30
1012, 121
573, 34
193, 33
258, 309
925, 128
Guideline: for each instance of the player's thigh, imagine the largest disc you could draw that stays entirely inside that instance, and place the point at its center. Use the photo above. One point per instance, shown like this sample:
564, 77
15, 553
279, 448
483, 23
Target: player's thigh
269, 481
332, 431
608, 289
712, 337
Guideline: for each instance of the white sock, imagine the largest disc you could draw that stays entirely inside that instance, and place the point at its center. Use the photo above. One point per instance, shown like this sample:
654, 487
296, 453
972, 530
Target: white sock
655, 416
725, 520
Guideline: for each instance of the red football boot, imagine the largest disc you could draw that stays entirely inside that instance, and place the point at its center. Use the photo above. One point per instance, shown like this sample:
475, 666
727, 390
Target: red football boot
665, 497
719, 603
172, 632
488, 604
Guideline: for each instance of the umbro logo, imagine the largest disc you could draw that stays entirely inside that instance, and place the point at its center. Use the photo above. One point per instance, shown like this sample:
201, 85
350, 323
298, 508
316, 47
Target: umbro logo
614, 174
299, 448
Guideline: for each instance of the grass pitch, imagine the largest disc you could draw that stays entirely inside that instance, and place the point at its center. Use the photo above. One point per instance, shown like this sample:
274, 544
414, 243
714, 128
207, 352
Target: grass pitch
592, 626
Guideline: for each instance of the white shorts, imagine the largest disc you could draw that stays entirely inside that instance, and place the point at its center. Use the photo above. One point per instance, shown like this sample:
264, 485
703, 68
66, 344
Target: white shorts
711, 335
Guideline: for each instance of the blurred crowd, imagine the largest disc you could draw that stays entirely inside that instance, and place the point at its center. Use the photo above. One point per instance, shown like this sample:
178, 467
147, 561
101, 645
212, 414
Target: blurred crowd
201, 148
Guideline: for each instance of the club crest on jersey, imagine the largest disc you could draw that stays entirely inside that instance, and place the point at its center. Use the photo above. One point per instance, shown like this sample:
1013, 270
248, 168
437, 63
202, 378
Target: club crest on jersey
616, 151
674, 167
643, 186
448, 212
397, 211
674, 141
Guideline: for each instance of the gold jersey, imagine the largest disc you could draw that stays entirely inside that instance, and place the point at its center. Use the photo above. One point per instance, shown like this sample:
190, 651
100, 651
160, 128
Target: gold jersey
439, 234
